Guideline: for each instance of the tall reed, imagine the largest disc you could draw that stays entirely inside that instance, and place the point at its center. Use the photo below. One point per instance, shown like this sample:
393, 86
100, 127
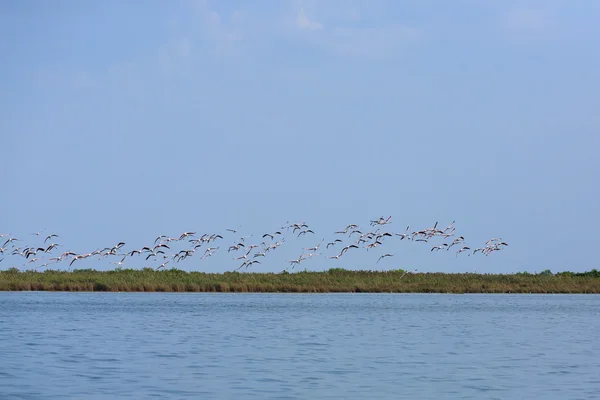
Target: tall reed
333, 280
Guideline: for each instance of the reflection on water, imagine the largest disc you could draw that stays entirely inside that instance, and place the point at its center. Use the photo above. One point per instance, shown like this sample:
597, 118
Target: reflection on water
285, 346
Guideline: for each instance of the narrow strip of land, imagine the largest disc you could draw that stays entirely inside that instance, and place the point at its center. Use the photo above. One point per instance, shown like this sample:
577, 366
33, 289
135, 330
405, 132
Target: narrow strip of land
332, 281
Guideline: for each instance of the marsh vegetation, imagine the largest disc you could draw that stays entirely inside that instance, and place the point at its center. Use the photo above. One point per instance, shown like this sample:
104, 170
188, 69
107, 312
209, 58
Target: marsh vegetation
333, 280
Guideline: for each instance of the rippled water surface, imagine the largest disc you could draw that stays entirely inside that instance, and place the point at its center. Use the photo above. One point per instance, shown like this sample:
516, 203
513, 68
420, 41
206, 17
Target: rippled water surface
285, 346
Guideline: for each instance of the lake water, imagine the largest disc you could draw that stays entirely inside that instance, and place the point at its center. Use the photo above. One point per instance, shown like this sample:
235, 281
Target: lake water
298, 346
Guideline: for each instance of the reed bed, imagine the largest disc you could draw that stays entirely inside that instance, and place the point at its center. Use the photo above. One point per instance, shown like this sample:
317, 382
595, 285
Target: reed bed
331, 281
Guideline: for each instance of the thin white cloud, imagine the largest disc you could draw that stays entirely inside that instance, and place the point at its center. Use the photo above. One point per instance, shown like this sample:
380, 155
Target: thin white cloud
345, 31
213, 19
344, 28
174, 56
304, 23
224, 35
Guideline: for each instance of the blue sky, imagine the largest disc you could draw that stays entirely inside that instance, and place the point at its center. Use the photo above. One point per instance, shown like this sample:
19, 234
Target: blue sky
121, 122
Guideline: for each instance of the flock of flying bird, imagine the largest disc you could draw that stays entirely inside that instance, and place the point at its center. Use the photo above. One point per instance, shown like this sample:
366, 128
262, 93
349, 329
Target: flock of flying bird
244, 250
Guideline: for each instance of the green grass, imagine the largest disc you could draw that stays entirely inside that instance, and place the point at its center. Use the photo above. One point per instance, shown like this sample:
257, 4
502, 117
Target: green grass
334, 280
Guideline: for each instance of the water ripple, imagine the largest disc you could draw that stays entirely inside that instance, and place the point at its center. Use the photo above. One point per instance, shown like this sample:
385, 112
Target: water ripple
331, 346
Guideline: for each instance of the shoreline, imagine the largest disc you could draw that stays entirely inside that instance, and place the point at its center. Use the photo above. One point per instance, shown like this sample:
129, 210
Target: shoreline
332, 281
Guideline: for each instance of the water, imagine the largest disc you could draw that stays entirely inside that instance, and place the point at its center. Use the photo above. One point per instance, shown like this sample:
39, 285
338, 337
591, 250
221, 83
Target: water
286, 346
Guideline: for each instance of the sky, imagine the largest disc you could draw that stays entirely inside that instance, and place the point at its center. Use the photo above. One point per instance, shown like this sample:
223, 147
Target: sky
121, 122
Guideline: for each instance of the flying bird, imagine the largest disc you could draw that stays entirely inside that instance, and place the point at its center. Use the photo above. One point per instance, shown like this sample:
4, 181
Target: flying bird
384, 256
